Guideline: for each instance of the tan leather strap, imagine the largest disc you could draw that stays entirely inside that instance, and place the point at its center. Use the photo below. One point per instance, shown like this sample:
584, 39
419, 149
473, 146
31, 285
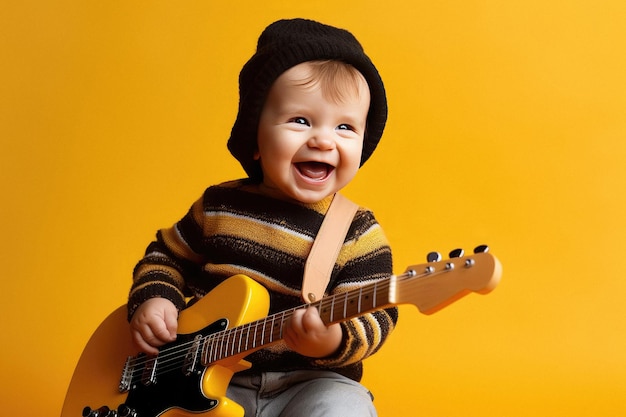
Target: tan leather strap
319, 265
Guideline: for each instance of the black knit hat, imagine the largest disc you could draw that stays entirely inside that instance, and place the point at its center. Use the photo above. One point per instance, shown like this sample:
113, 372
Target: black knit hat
285, 44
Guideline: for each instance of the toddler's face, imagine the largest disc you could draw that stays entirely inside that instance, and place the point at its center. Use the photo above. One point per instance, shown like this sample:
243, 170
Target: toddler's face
309, 146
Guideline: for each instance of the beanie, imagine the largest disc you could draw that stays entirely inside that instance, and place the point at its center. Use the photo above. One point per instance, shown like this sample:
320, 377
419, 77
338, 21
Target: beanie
285, 44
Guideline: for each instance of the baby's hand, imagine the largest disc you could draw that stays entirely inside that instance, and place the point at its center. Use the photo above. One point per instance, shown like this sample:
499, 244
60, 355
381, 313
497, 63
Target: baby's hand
307, 334
154, 324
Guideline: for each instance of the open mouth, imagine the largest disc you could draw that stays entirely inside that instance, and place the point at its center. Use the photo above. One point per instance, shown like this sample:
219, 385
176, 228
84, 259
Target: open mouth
314, 170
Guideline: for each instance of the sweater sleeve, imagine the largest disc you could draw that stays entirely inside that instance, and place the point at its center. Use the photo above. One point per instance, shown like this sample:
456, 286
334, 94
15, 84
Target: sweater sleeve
366, 258
173, 256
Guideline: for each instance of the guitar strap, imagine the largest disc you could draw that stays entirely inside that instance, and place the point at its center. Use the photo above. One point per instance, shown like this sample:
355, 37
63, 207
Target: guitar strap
319, 265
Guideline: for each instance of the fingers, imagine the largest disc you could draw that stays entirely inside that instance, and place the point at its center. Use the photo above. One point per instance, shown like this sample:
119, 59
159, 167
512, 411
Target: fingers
311, 321
304, 321
141, 344
153, 325
171, 324
303, 325
292, 329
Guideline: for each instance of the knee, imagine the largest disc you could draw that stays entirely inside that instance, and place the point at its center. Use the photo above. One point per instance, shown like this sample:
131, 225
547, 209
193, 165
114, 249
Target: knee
332, 398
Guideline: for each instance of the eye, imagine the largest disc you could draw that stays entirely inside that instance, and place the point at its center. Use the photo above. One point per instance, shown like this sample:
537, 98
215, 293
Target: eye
345, 126
300, 121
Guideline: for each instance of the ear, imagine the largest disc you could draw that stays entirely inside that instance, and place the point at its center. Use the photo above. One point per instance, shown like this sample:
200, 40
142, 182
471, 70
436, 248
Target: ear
256, 155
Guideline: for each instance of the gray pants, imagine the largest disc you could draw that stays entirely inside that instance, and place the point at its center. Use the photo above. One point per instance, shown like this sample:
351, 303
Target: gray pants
301, 394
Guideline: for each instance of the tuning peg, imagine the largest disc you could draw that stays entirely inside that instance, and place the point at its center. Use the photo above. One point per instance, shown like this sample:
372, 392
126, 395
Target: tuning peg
433, 257
457, 253
481, 249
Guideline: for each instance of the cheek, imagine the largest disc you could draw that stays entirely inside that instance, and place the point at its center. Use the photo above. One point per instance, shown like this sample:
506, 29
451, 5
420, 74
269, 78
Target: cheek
276, 149
351, 162
354, 154
272, 153
351, 171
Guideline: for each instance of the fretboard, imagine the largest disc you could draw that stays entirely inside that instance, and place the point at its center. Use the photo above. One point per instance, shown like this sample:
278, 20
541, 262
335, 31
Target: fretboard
261, 333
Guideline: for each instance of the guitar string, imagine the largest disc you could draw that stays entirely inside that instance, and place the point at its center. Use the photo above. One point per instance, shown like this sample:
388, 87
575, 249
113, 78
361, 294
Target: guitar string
212, 346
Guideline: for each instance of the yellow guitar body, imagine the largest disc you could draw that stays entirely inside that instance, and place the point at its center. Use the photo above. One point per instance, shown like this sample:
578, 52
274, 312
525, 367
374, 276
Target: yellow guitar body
98, 373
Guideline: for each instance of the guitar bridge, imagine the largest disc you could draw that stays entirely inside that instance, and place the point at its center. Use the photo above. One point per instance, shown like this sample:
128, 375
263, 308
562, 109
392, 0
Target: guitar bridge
127, 375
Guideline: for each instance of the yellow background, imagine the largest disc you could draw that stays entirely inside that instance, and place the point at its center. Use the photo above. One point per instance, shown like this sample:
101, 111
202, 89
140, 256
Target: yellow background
507, 127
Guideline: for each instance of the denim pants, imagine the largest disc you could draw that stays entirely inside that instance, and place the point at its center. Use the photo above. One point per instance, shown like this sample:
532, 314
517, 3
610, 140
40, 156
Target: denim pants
301, 394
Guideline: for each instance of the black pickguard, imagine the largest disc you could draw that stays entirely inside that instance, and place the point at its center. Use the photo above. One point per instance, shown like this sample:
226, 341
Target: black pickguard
173, 386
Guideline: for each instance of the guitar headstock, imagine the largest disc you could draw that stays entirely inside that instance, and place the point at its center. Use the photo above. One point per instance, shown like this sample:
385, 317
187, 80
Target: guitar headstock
436, 284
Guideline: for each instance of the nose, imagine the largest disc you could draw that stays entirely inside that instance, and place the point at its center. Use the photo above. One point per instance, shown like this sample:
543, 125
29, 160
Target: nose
322, 139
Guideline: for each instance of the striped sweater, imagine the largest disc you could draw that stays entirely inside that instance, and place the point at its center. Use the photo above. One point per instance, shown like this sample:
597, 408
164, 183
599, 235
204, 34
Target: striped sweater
233, 228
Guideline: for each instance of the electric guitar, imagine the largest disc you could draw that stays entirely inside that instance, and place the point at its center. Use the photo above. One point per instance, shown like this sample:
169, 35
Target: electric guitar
190, 375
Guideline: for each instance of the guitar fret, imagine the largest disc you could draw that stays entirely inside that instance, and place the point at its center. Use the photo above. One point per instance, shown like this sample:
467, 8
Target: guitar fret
272, 330
275, 328
374, 296
282, 324
221, 352
242, 344
231, 344
248, 336
256, 328
320, 308
206, 354
214, 356
225, 344
263, 332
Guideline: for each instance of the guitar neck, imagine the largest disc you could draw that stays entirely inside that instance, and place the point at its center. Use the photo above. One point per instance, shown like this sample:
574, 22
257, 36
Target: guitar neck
332, 309
430, 287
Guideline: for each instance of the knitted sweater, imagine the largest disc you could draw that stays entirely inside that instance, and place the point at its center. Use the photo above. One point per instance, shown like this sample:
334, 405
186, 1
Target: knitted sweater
233, 228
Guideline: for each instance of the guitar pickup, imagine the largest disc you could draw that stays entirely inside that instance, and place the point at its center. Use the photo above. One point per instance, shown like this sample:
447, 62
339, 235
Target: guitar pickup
192, 358
148, 376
